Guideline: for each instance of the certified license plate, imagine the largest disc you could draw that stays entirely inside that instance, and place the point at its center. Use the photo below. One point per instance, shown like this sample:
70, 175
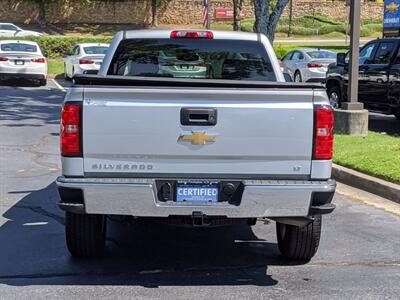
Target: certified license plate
197, 192
19, 62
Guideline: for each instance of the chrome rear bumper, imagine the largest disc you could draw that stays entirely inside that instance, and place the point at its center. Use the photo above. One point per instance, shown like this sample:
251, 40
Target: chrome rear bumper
138, 197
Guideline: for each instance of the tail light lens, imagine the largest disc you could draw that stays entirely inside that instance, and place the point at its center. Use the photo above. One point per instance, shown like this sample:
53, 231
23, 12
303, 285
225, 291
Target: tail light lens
282, 66
191, 35
314, 65
39, 60
70, 130
3, 59
86, 62
323, 135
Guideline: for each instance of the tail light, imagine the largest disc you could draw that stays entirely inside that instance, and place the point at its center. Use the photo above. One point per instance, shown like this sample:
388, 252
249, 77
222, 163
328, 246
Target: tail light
3, 59
314, 65
70, 138
39, 60
86, 62
191, 35
323, 135
282, 66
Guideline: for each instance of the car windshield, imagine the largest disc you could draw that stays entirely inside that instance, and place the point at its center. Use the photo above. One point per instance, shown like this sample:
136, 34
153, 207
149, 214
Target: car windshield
95, 50
8, 27
321, 54
193, 58
18, 47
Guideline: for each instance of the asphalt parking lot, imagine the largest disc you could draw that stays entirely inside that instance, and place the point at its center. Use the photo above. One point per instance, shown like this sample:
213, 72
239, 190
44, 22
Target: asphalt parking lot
358, 258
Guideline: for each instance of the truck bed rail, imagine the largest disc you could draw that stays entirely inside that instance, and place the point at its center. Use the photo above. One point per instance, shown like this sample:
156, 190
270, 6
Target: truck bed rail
113, 80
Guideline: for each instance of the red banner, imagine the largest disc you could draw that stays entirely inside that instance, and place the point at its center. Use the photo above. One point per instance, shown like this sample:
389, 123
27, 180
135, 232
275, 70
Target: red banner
226, 14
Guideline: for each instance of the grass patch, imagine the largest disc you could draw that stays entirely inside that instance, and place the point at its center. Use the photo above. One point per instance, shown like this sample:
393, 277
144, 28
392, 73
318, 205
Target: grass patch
55, 66
317, 25
377, 154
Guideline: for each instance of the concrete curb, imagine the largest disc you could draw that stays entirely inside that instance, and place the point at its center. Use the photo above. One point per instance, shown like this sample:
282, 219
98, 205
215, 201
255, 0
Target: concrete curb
367, 183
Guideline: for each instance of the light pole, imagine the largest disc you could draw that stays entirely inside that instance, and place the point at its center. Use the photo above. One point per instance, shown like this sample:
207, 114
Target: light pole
352, 94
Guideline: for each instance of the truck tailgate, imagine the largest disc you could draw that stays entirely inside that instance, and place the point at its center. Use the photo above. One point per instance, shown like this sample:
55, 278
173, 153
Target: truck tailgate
266, 133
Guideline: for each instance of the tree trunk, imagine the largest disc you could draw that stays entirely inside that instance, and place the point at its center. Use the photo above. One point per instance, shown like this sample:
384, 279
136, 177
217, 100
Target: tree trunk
154, 21
236, 12
42, 14
265, 22
261, 11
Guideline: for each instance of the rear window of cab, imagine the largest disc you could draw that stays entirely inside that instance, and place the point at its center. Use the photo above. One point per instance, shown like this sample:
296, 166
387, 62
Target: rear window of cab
18, 47
193, 58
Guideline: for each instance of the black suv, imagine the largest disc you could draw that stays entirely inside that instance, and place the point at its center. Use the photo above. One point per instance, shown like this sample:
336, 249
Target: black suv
379, 77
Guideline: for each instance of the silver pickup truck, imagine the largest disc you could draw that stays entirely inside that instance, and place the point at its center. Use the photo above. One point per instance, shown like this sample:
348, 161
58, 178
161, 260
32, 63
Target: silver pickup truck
195, 128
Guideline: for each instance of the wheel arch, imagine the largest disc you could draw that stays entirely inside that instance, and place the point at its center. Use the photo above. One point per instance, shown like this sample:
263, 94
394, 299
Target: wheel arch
335, 82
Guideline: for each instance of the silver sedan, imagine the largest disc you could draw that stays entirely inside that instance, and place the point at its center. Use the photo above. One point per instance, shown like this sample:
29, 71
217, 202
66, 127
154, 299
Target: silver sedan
308, 65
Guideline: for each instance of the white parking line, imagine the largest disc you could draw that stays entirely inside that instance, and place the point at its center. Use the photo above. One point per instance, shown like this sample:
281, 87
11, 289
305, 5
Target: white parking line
59, 86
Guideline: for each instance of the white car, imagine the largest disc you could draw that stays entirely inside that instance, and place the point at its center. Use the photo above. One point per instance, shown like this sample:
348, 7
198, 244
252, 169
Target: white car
10, 30
308, 65
22, 60
84, 58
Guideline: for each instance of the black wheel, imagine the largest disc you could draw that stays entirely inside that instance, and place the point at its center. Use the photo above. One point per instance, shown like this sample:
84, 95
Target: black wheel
397, 114
299, 243
297, 77
334, 96
43, 82
85, 234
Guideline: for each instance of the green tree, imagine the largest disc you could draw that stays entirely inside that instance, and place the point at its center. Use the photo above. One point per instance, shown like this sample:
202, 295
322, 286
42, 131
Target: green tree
267, 13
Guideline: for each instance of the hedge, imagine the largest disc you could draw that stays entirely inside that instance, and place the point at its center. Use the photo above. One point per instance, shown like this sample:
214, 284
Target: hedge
55, 46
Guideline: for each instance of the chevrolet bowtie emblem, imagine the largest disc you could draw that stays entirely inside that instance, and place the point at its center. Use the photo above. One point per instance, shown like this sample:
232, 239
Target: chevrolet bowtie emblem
392, 7
197, 138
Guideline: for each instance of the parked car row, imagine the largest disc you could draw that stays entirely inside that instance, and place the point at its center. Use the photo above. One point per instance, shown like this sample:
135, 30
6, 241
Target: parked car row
379, 73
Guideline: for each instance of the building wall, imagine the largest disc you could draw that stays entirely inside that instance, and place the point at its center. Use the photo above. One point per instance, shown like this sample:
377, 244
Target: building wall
173, 12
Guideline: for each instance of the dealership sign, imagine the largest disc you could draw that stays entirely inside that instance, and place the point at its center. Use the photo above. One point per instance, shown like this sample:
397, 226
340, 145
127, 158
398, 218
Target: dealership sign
227, 14
391, 17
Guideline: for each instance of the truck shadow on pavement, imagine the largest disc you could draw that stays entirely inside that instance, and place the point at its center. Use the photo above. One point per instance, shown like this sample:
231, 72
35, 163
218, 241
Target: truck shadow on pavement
30, 106
33, 251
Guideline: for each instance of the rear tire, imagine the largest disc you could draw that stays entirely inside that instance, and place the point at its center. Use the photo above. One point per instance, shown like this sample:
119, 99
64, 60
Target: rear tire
43, 82
297, 77
299, 243
334, 95
85, 234
397, 114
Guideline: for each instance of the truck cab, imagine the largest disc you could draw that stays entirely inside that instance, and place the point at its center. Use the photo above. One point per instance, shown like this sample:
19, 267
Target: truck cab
379, 77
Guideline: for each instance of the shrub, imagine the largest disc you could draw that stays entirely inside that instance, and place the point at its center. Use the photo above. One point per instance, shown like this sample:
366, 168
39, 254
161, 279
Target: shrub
55, 46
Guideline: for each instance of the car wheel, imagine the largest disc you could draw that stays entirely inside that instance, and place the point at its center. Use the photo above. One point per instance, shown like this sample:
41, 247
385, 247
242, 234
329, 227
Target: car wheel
397, 114
297, 77
85, 234
335, 98
66, 77
299, 243
43, 82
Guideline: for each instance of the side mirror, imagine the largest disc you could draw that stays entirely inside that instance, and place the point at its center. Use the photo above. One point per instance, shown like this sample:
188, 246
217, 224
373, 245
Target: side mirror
287, 77
341, 59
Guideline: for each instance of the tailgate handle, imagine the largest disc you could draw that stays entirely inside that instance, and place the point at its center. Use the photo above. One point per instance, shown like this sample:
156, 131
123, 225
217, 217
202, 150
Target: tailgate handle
199, 116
